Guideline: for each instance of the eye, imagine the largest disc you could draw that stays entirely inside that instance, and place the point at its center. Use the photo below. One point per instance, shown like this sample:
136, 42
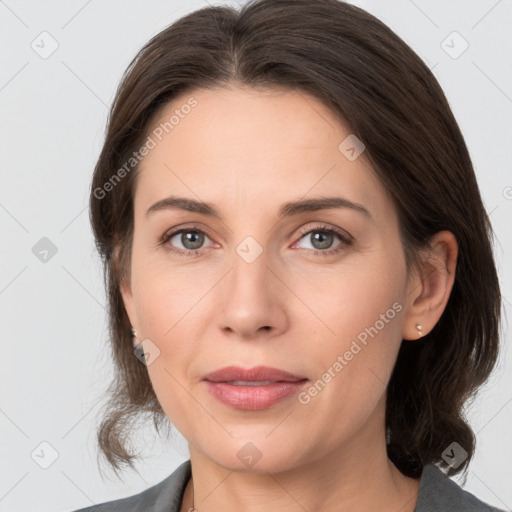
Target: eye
321, 238
190, 238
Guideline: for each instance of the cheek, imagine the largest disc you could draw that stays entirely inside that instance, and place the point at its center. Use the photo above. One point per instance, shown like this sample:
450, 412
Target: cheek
355, 298
166, 301
364, 316
171, 391
164, 296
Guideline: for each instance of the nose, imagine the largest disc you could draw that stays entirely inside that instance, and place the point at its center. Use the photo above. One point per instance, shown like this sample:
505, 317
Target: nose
253, 302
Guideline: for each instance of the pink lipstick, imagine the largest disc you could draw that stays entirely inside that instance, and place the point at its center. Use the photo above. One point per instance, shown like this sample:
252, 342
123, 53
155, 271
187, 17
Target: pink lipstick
252, 389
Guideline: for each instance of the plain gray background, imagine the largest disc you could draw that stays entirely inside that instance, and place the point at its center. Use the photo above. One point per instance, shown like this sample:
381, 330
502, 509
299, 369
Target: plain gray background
55, 360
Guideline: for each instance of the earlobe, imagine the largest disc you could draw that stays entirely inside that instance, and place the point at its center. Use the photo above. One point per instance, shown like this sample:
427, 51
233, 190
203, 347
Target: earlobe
431, 289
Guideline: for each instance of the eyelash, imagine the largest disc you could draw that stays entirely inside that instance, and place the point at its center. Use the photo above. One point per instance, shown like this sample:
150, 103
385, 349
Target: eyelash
345, 240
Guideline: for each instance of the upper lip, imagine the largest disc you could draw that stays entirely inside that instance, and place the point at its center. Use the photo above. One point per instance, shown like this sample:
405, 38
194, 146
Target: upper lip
255, 374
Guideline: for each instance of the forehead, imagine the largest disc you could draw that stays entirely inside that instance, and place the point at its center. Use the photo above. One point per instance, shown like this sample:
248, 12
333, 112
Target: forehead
238, 120
245, 146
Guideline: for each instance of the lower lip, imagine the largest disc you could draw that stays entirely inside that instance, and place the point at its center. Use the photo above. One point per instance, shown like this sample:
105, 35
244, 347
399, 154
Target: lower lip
253, 398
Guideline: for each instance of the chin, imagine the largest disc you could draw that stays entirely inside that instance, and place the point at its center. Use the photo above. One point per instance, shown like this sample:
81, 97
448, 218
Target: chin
256, 454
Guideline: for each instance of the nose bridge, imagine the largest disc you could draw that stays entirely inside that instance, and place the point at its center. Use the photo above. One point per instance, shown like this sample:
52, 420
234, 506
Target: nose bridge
253, 263
250, 272
249, 299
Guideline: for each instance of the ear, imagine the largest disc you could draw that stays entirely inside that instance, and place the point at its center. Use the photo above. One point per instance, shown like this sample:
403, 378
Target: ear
429, 290
125, 288
127, 296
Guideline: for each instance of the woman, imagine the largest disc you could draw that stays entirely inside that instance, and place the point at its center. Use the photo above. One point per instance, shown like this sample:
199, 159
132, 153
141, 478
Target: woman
295, 243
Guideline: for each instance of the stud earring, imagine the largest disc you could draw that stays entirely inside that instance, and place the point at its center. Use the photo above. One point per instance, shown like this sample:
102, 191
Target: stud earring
420, 329
134, 340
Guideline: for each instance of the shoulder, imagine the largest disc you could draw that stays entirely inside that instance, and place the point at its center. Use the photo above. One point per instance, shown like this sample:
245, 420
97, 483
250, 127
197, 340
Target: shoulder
439, 493
166, 496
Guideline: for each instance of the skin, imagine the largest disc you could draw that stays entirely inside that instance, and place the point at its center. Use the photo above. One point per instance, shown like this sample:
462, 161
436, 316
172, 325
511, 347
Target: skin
248, 151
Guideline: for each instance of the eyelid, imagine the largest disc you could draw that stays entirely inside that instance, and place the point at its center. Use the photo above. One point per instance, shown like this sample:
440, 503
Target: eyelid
321, 226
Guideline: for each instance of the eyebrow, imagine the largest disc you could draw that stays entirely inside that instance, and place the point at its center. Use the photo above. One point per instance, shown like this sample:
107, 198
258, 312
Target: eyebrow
286, 210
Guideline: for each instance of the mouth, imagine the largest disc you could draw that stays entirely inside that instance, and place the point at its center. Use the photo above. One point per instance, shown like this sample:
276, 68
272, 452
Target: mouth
253, 389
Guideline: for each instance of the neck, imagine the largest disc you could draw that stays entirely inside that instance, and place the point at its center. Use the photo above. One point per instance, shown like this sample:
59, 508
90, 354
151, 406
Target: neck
351, 480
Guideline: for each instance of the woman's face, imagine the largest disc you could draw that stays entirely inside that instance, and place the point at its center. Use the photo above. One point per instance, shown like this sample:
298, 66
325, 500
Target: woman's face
261, 284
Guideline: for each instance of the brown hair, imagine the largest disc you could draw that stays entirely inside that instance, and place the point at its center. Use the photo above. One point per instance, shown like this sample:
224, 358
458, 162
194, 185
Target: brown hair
375, 83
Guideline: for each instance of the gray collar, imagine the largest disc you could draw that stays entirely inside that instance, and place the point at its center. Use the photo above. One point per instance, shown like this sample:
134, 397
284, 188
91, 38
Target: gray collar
437, 493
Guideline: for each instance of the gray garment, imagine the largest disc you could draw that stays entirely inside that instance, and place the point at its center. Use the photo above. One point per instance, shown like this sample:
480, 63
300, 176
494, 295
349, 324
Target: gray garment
437, 493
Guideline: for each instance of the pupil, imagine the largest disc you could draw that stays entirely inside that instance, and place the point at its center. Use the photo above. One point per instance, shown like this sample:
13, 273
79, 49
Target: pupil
322, 239
191, 237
